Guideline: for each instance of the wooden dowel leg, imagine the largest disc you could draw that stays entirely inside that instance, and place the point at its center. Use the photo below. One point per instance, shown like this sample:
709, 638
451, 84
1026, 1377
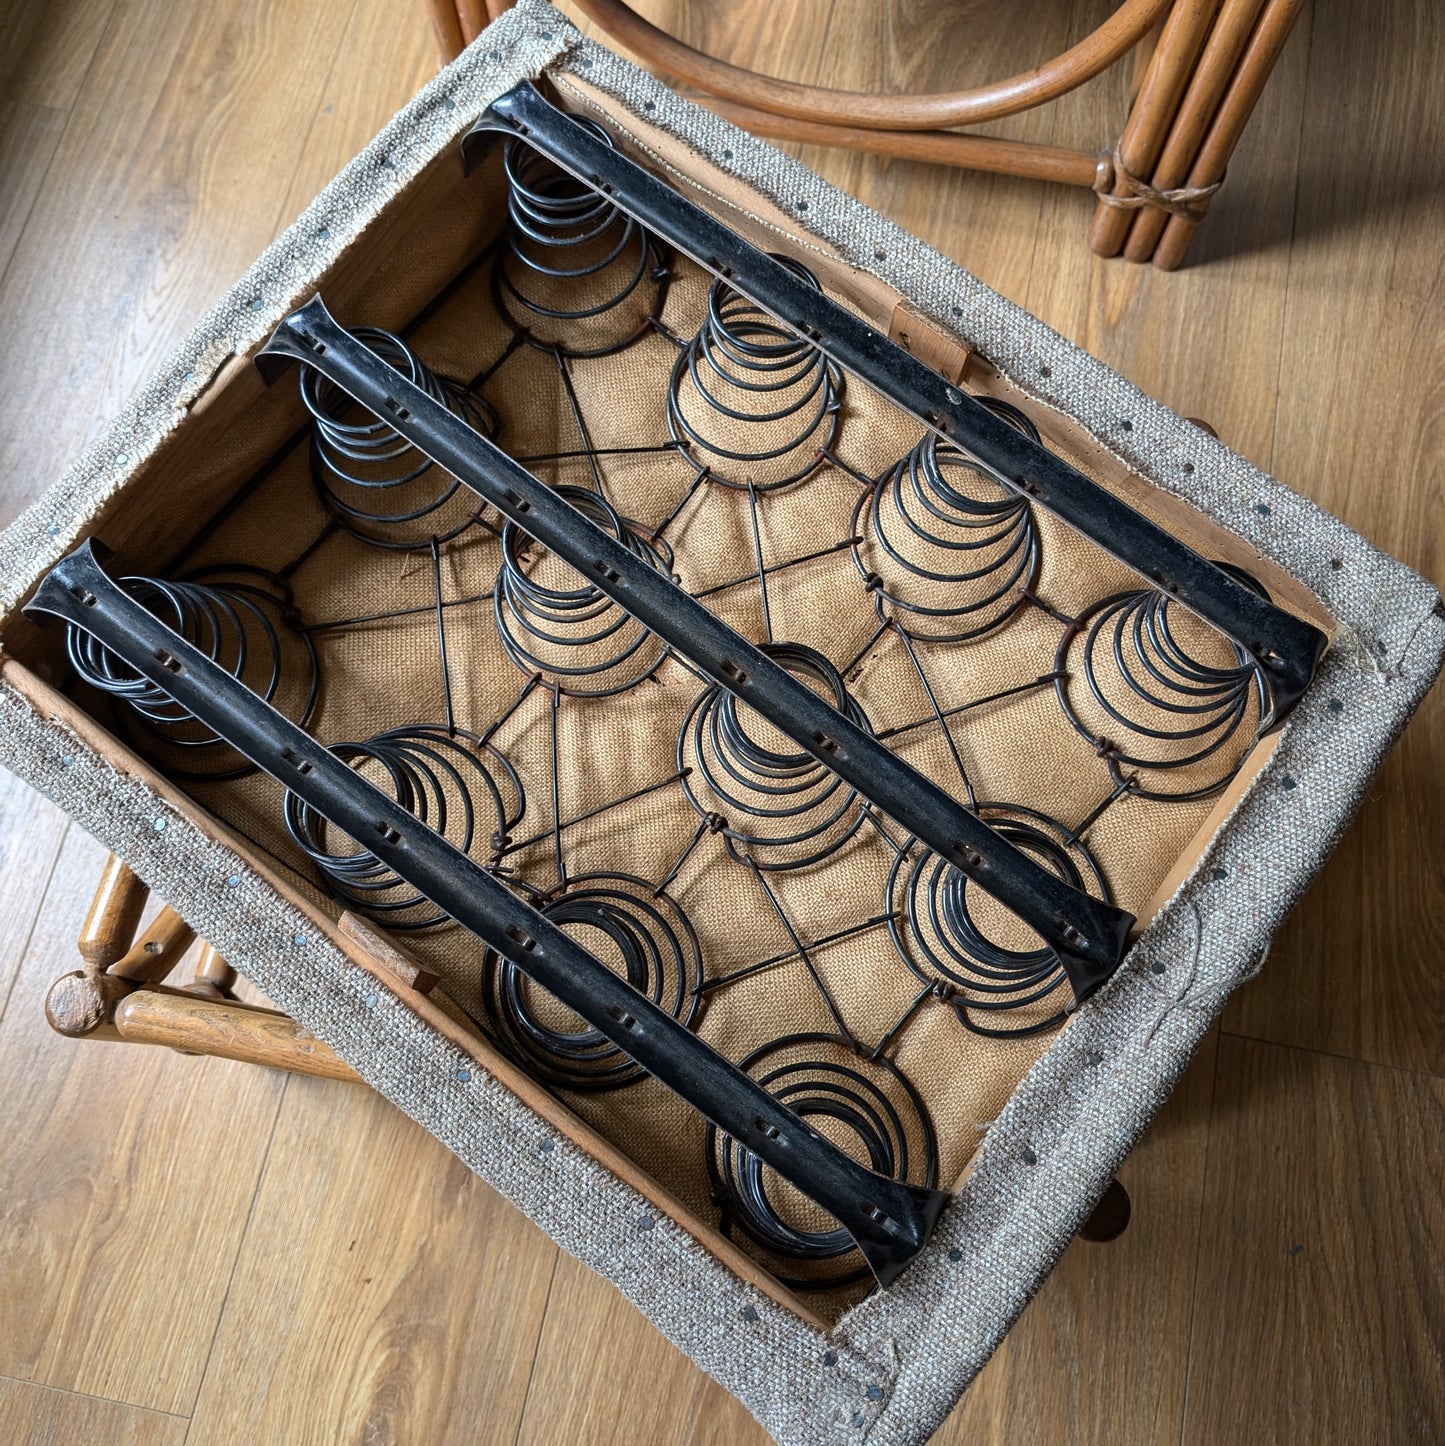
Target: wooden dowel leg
214, 977
227, 1031
1226, 42
446, 28
1255, 68
113, 917
474, 18
105, 1007
157, 951
1153, 110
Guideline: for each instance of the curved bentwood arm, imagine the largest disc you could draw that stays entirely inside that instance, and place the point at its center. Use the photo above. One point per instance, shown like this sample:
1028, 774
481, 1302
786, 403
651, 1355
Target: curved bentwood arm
1088, 935
1092, 55
1285, 648
889, 1221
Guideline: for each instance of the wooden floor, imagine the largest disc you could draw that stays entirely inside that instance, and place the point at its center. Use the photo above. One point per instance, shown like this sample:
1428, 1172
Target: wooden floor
195, 1251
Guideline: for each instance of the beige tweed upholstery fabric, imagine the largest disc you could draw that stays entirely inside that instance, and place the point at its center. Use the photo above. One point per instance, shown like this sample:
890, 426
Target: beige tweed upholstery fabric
895, 1364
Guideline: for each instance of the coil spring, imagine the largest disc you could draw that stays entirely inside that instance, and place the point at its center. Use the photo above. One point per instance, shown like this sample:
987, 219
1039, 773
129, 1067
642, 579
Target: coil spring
438, 777
759, 395
952, 512
781, 806
249, 628
939, 936
571, 260
1154, 686
873, 1107
369, 477
653, 940
575, 635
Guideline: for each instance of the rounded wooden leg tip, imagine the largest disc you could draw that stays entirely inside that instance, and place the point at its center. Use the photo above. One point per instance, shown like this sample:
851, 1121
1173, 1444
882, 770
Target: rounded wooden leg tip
77, 1004
1111, 1215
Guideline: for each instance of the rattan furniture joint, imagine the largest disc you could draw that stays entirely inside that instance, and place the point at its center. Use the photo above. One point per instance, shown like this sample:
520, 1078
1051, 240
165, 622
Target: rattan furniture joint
1200, 67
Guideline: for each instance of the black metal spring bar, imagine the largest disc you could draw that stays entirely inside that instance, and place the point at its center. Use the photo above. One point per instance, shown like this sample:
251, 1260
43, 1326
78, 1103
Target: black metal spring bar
1286, 649
890, 1221
1088, 935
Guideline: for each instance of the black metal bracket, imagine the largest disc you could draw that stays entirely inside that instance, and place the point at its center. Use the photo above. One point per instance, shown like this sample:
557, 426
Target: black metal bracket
1287, 649
889, 1220
1088, 935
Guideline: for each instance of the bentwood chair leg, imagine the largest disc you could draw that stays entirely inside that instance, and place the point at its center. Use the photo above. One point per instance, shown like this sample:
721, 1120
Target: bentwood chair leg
1229, 121
1238, 54
113, 917
1147, 128
1199, 68
456, 23
446, 25
1223, 44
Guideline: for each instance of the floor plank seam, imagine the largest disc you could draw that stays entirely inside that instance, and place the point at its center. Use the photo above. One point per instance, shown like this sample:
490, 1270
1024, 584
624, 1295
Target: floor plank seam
1198, 1249
1284, 311
59, 141
282, 221
537, 1347
40, 187
41, 894
1415, 1071
92, 1396
240, 1247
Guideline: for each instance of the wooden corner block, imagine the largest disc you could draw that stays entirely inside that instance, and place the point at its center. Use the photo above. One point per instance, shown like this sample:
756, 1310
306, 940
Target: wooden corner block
924, 338
393, 960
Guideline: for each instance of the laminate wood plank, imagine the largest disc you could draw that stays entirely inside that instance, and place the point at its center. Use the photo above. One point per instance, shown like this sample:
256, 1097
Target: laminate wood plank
1319, 1303
164, 187
604, 1375
1064, 1373
1356, 969
125, 1177
46, 47
33, 1415
383, 1292
1201, 340
360, 94
1111, 1315
913, 46
986, 223
28, 137
31, 830
1362, 429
